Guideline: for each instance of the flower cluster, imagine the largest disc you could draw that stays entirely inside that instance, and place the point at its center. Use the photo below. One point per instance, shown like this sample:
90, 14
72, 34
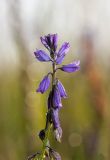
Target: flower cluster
57, 91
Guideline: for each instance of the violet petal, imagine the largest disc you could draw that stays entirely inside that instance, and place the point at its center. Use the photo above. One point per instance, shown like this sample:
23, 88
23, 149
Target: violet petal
62, 52
44, 41
44, 84
58, 134
42, 56
61, 89
55, 118
72, 67
50, 41
56, 98
60, 59
55, 41
53, 154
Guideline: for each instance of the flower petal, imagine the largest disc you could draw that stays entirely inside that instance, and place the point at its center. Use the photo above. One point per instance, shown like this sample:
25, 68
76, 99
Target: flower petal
44, 84
55, 118
61, 89
56, 98
53, 154
50, 41
44, 41
55, 41
64, 48
42, 56
56, 124
72, 67
58, 134
60, 59
62, 52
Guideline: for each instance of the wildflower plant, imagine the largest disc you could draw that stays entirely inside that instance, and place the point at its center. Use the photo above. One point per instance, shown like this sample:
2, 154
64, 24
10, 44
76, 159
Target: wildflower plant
57, 92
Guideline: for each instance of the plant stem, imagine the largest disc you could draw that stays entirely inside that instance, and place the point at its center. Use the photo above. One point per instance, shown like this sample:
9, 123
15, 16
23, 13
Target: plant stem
45, 142
48, 125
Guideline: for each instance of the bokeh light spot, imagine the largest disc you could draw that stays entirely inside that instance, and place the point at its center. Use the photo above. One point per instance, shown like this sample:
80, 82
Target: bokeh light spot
75, 139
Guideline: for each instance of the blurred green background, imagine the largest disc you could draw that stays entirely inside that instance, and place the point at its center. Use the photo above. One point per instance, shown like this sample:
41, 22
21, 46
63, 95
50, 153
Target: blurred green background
85, 116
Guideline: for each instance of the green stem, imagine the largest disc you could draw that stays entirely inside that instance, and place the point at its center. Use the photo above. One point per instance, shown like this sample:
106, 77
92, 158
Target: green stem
45, 142
48, 125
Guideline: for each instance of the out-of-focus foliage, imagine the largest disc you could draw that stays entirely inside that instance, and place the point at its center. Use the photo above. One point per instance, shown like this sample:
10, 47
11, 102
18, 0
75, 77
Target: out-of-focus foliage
85, 114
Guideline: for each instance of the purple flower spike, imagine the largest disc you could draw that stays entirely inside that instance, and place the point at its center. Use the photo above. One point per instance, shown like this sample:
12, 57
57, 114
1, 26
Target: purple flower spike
44, 84
50, 41
42, 56
56, 98
72, 67
61, 89
62, 52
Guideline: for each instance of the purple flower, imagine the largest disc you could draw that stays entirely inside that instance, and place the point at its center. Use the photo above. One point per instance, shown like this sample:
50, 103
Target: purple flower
55, 118
53, 154
58, 91
42, 56
55, 42
56, 124
72, 67
58, 134
62, 52
50, 41
44, 84
61, 89
56, 98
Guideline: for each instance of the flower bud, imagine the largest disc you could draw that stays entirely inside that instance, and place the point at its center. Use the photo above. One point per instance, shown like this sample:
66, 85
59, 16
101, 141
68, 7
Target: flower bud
58, 134
62, 52
56, 98
56, 124
44, 84
42, 56
53, 154
42, 134
61, 89
50, 41
72, 67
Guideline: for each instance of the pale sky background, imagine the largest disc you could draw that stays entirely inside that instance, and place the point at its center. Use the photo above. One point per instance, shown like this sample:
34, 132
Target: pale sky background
68, 18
